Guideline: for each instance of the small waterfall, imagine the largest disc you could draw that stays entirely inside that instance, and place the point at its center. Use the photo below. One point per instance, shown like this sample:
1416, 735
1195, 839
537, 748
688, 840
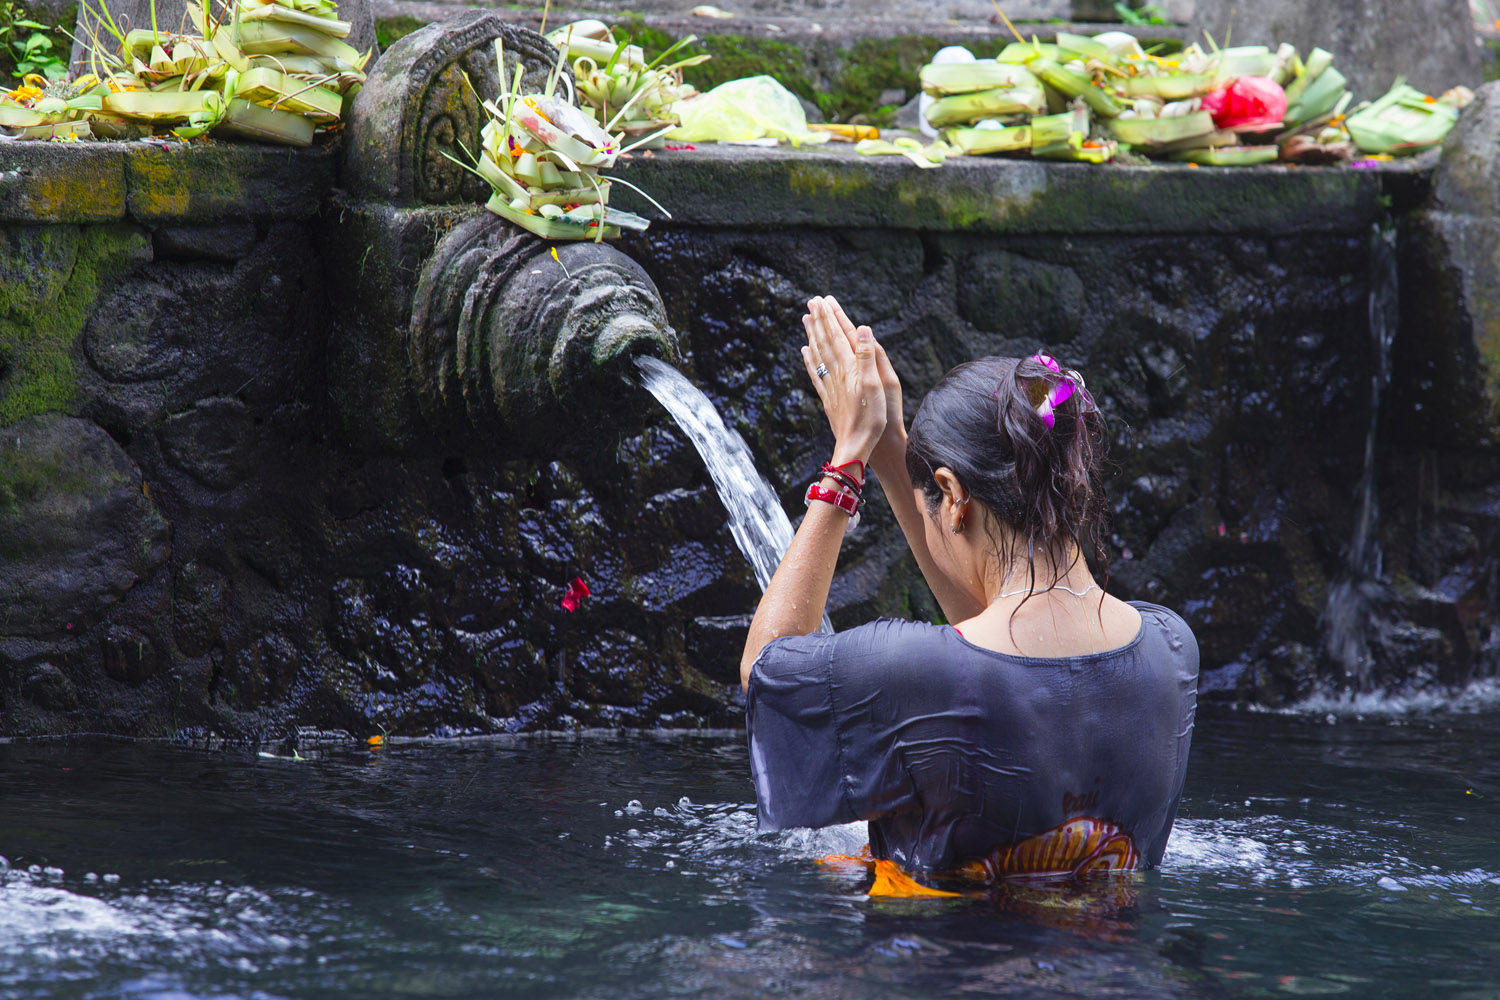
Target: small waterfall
1348, 614
760, 527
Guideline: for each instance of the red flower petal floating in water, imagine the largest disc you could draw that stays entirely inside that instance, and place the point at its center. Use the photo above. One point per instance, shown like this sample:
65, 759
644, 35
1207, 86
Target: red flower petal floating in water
1249, 102
574, 595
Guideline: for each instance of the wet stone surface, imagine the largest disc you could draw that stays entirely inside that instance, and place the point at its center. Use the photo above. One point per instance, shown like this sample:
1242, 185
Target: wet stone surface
248, 529
1236, 374
76, 530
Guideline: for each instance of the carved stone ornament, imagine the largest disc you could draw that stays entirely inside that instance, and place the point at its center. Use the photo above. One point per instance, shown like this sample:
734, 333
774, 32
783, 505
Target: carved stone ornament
417, 109
505, 338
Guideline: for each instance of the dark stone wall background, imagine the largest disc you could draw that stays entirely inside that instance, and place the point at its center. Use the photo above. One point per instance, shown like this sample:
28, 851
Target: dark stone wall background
191, 553
1236, 373
197, 541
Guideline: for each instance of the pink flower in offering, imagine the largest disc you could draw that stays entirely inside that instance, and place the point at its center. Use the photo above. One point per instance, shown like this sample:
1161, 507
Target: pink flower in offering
574, 595
1247, 103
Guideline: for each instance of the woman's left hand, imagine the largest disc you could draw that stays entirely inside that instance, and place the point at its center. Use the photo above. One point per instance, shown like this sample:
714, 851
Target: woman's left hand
852, 393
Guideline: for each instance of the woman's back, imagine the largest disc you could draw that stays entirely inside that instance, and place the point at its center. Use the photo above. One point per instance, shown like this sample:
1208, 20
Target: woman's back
1064, 760
957, 754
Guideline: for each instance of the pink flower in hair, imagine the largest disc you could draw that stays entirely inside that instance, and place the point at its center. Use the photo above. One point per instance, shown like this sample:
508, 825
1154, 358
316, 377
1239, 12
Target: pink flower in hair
1058, 394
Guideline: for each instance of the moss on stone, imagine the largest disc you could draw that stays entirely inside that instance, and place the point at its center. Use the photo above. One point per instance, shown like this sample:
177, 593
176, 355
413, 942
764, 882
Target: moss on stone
734, 56
842, 82
41, 318
389, 30
172, 187
874, 65
23, 476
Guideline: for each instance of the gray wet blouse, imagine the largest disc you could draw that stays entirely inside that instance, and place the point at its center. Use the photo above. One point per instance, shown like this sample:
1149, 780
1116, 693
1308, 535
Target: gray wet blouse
952, 751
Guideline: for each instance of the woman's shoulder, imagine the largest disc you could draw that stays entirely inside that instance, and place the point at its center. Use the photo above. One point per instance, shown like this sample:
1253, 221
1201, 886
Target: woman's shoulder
880, 633
1155, 616
1163, 627
881, 639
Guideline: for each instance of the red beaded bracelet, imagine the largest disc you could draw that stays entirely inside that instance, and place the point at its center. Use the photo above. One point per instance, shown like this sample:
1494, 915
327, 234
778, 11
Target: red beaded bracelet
859, 480
846, 502
843, 478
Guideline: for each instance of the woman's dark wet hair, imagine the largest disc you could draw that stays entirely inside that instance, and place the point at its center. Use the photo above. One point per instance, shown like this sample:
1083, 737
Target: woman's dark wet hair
1043, 483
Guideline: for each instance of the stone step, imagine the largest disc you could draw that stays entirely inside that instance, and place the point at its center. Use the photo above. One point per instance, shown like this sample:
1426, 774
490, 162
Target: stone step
1434, 45
794, 25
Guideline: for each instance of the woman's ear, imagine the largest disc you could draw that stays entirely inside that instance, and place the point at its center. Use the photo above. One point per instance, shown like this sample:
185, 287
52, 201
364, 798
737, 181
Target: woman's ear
956, 496
948, 483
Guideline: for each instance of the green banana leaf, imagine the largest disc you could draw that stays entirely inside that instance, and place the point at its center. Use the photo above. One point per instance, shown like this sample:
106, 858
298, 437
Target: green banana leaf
1402, 122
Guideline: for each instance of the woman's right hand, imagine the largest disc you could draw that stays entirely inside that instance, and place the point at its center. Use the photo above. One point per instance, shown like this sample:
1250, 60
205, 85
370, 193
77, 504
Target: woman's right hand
893, 441
849, 384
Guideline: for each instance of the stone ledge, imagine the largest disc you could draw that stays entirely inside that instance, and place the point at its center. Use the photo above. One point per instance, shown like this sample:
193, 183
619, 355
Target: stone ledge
805, 28
42, 182
835, 187
159, 182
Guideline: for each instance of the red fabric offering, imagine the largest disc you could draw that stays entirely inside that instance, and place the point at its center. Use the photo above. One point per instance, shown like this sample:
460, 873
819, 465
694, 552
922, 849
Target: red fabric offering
574, 595
1248, 102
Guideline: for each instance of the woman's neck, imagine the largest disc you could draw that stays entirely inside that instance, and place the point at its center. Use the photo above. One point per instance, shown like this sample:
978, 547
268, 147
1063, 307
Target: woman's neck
1065, 575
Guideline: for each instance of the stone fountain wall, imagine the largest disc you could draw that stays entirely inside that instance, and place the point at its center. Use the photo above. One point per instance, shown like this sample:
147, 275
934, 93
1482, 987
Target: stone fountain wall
221, 514
1222, 319
196, 539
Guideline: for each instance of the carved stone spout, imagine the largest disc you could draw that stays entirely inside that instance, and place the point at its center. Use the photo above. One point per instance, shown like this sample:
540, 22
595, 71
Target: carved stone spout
505, 338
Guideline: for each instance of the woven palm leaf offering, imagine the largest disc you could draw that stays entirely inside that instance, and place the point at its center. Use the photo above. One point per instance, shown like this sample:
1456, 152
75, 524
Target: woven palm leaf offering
1218, 107
155, 79
1405, 120
617, 86
267, 70
541, 156
1221, 106
45, 109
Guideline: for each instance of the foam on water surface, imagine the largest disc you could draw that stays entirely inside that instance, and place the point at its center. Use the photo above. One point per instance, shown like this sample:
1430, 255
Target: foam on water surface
78, 931
1478, 696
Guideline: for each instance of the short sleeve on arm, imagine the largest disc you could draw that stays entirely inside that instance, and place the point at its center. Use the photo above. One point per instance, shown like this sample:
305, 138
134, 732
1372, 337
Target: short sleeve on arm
795, 741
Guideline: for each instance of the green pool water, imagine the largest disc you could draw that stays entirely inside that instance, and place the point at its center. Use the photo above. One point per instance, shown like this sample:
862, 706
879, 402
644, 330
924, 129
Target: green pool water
1314, 855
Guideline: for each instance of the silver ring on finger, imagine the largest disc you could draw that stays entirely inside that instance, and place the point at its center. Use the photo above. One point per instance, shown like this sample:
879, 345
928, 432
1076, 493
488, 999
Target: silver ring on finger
822, 370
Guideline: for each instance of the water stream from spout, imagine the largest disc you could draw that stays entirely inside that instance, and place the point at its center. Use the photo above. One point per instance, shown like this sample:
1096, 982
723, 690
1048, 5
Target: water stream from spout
756, 521
1348, 614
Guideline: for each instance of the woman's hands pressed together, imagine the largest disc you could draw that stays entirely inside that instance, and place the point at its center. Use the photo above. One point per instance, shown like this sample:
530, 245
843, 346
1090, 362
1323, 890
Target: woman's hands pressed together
843, 361
891, 446
888, 454
852, 390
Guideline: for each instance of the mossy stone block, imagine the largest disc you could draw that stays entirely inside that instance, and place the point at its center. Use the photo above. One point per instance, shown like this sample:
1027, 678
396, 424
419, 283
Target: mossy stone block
835, 187
172, 183
68, 182
53, 276
76, 529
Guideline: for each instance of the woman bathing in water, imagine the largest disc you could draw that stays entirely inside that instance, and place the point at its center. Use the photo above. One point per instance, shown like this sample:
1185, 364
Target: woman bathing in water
1046, 730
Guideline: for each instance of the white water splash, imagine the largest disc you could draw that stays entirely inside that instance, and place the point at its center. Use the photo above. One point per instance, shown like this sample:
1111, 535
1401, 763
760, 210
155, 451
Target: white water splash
75, 928
1280, 850
760, 527
1479, 696
719, 838
1349, 610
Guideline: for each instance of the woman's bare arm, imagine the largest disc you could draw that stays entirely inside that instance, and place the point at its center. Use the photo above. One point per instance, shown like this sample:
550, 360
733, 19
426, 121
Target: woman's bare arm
853, 399
794, 601
889, 462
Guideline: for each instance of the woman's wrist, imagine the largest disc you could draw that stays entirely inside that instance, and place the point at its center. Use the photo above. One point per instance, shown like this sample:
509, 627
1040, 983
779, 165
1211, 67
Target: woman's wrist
843, 454
889, 452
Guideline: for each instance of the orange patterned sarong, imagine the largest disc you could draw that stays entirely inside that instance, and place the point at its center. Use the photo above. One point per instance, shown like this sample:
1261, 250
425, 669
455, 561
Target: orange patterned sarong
1077, 847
